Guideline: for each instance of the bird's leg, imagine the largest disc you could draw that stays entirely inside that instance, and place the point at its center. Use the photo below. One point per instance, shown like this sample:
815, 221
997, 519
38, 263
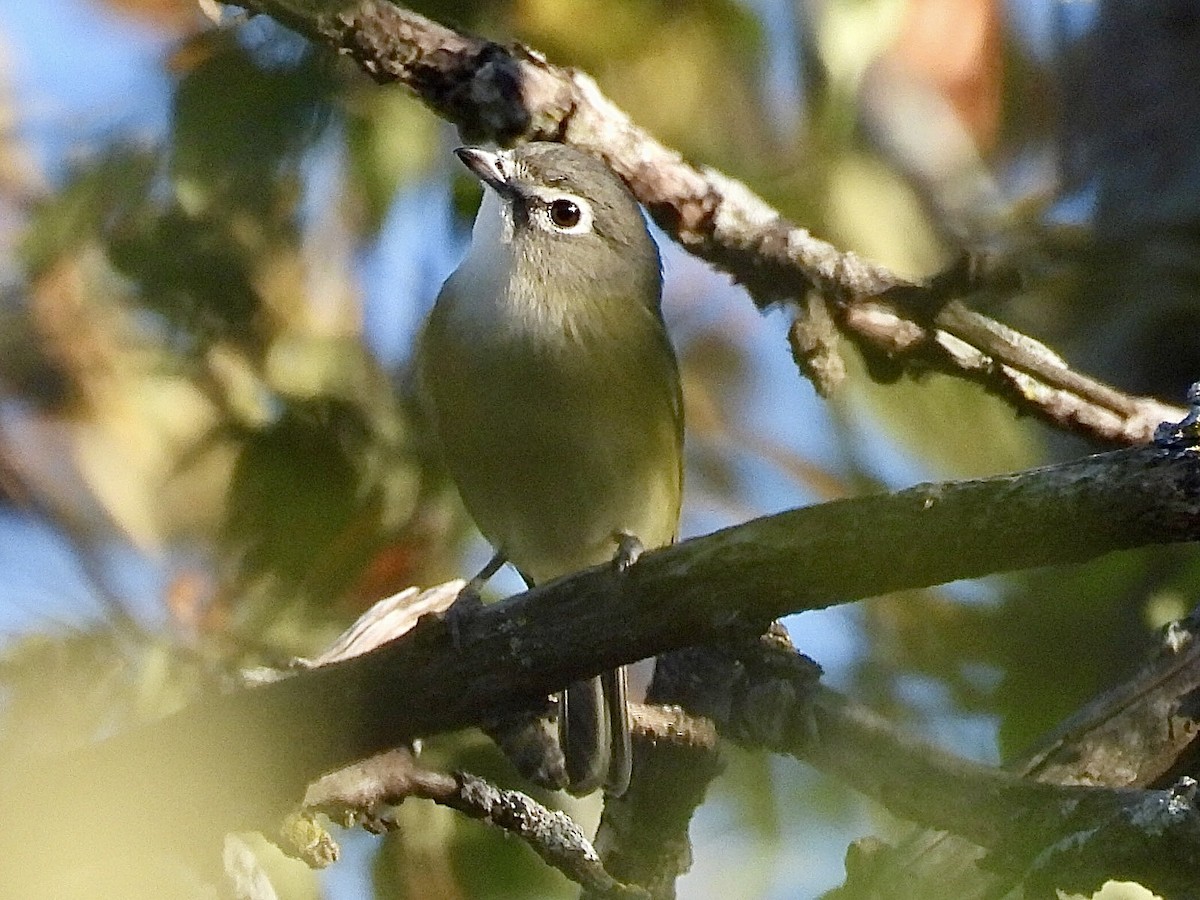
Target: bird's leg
469, 598
490, 568
629, 548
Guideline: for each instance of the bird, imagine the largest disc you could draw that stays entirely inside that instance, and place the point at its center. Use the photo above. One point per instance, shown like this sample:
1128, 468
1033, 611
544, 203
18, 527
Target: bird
553, 390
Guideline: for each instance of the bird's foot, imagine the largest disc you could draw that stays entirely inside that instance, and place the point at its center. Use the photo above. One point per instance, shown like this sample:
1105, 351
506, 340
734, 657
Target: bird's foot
629, 548
469, 599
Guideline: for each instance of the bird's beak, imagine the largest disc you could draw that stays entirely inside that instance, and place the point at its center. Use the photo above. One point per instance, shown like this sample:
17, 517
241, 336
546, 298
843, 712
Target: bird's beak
493, 169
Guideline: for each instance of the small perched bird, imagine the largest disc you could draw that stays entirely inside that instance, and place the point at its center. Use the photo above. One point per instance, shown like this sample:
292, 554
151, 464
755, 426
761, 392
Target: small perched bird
554, 392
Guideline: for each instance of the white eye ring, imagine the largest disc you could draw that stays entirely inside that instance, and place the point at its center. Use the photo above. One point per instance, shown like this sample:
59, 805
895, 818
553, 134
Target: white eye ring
566, 214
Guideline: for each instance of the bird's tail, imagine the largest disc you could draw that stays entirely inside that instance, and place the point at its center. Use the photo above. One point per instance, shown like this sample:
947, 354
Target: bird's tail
593, 724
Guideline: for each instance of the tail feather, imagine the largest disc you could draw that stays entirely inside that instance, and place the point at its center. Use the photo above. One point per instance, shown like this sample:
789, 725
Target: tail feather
593, 723
583, 734
620, 763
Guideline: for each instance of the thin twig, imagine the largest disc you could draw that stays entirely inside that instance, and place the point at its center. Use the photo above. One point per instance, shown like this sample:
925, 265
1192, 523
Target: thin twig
363, 791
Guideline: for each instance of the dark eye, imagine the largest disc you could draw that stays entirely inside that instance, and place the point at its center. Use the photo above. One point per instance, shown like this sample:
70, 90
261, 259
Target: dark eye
565, 213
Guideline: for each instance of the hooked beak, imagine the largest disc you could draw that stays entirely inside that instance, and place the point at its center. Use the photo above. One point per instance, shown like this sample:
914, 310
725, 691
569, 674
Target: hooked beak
490, 168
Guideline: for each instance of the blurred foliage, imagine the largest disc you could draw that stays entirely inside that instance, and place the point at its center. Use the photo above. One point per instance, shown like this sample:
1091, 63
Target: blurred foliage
270, 104
188, 371
69, 688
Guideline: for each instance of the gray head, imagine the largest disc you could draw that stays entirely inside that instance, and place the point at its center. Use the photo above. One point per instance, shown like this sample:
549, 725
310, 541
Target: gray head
569, 221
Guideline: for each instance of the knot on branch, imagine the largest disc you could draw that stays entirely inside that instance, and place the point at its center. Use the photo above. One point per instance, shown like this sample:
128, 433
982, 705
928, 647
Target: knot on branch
490, 103
755, 690
473, 82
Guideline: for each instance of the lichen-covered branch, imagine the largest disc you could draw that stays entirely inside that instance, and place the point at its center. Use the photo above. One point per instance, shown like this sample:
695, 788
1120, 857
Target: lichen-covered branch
507, 94
363, 791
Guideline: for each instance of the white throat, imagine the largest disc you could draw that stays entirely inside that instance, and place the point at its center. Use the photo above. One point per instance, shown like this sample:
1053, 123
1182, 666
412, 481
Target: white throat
493, 229
489, 259
483, 302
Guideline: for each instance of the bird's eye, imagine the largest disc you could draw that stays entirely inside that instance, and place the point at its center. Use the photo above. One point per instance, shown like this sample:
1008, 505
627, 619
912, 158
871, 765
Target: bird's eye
565, 213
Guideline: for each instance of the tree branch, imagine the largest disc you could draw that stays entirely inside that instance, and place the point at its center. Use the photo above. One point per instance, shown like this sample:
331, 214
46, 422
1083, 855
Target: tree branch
510, 94
1142, 733
363, 789
760, 692
251, 753
1082, 820
643, 835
